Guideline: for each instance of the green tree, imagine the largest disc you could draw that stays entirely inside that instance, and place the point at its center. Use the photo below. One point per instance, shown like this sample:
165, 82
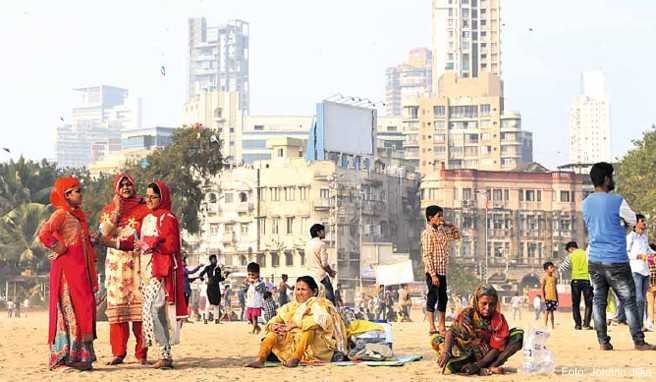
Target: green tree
25, 181
190, 162
461, 281
635, 174
19, 245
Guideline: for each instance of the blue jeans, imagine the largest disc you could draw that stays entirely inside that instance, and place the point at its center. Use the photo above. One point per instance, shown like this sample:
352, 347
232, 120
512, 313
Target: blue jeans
618, 277
642, 285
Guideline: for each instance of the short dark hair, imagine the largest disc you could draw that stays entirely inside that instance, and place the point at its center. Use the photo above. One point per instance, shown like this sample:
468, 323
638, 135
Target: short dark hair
432, 211
267, 295
547, 265
253, 267
571, 244
314, 230
284, 276
212, 257
309, 281
599, 172
640, 217
155, 188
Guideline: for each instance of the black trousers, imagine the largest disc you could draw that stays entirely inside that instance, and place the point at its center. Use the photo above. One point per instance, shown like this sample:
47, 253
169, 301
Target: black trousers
330, 293
581, 287
436, 294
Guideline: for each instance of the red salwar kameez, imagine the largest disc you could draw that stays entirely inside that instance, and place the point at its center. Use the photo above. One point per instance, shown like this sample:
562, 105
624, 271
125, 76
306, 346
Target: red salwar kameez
122, 265
162, 277
73, 281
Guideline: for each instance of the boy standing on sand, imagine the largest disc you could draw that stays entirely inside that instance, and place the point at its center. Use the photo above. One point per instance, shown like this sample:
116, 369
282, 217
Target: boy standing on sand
254, 295
549, 292
435, 241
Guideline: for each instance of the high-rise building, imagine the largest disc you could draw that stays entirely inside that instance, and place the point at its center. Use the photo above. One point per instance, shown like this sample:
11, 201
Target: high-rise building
96, 124
466, 38
465, 126
219, 58
411, 79
589, 121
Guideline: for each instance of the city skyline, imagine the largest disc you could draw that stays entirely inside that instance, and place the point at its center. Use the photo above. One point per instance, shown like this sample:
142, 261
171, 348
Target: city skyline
298, 59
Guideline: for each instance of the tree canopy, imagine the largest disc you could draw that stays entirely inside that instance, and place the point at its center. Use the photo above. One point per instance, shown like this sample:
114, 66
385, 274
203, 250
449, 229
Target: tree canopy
635, 175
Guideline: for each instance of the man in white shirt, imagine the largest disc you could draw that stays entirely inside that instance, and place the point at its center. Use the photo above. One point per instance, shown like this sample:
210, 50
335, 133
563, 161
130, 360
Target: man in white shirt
637, 245
317, 260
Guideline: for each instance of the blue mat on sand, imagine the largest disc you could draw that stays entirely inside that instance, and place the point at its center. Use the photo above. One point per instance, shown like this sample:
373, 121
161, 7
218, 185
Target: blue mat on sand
397, 361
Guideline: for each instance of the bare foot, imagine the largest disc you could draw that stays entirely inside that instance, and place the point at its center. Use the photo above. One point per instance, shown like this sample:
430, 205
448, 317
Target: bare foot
442, 330
292, 362
497, 370
115, 361
257, 364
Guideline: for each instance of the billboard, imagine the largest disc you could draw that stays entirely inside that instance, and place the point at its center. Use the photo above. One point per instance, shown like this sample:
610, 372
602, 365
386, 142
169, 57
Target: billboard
342, 128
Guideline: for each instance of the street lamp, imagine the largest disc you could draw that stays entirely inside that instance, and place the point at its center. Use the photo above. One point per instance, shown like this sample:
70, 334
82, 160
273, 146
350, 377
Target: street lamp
484, 274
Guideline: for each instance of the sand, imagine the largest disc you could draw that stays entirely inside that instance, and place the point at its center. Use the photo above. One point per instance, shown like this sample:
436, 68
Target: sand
218, 352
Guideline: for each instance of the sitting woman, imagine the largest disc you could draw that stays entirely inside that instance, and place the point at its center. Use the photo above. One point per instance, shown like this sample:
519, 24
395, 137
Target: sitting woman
478, 341
307, 329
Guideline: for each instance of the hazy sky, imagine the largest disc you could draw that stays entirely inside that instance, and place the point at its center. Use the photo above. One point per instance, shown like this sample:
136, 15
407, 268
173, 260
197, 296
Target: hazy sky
305, 50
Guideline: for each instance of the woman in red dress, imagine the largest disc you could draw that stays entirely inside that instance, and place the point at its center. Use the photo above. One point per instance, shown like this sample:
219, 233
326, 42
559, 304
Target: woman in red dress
73, 279
162, 274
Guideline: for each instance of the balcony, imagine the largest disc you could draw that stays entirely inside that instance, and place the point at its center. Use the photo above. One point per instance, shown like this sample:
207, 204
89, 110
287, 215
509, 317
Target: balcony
229, 237
244, 207
321, 204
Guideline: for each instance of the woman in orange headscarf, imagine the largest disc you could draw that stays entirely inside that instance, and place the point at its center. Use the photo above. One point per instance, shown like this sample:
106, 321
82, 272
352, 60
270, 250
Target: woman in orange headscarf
162, 273
73, 279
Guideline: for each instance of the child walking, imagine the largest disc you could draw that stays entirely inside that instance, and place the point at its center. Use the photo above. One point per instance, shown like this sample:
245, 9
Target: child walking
254, 295
550, 293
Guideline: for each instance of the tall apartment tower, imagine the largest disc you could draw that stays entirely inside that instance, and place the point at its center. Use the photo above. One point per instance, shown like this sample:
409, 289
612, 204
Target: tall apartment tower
219, 58
589, 121
466, 38
411, 79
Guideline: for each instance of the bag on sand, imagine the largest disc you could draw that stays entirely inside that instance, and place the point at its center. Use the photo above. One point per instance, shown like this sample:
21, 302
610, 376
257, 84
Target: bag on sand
537, 358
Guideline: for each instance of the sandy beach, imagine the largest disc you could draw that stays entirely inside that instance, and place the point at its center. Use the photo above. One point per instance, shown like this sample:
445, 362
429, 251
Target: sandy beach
218, 352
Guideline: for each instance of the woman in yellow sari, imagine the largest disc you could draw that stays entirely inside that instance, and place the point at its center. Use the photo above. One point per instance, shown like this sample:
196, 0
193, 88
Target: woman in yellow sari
307, 329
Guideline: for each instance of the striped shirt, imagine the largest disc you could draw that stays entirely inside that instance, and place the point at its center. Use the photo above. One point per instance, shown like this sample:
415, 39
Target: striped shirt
435, 247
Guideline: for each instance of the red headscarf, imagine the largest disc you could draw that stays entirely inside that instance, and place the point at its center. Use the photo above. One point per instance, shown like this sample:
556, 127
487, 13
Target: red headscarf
128, 205
164, 196
58, 199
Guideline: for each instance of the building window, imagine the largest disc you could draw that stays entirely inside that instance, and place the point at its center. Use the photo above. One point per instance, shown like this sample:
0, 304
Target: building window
275, 259
304, 192
281, 153
467, 194
301, 254
228, 197
289, 193
564, 196
290, 225
530, 195
229, 228
485, 109
258, 127
244, 228
262, 226
243, 197
289, 258
274, 225
324, 193
439, 110
214, 229
262, 193
275, 193
261, 260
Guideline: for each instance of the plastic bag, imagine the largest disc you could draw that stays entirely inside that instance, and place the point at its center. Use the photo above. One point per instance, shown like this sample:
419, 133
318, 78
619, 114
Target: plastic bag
537, 358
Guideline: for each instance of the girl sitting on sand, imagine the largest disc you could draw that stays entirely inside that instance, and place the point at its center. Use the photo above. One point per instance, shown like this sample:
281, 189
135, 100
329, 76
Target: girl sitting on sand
479, 340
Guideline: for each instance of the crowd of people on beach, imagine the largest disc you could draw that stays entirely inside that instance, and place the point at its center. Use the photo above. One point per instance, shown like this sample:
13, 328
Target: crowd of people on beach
149, 294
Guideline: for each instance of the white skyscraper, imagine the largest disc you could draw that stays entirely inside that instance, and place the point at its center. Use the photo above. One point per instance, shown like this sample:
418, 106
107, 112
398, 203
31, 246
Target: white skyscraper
466, 38
219, 59
589, 121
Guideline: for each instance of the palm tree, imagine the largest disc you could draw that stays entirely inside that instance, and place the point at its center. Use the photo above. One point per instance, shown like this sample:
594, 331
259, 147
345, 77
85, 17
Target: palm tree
19, 245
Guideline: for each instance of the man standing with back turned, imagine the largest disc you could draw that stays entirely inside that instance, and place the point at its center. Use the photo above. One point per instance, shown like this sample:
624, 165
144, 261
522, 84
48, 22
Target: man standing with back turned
608, 260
